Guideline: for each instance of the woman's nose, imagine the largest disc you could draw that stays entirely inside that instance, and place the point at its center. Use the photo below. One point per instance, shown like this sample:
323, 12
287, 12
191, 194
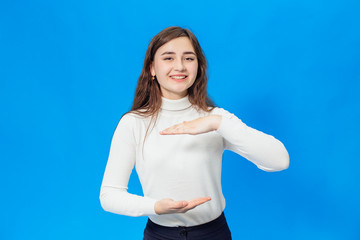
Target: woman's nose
179, 65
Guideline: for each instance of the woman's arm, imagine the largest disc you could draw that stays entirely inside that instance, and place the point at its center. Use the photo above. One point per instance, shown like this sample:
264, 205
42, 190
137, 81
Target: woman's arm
113, 194
268, 153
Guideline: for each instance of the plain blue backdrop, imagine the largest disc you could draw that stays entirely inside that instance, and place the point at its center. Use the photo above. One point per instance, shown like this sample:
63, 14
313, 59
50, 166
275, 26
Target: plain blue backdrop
68, 71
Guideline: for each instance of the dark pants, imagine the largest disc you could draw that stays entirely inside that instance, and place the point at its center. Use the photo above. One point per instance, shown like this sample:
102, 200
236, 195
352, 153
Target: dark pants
214, 230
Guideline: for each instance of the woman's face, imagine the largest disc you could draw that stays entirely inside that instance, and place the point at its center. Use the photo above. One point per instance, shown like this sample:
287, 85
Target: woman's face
175, 67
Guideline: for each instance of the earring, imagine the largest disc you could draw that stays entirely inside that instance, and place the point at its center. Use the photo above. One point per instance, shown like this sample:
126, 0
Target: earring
153, 78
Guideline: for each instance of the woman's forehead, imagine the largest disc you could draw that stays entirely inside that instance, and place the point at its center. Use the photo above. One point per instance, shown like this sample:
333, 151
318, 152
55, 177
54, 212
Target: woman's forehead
180, 45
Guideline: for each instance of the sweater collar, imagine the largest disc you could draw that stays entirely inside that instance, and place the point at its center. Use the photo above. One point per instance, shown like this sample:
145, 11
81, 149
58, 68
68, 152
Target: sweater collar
175, 105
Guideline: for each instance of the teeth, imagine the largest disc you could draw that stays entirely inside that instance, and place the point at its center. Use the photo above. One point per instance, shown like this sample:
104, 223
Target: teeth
178, 77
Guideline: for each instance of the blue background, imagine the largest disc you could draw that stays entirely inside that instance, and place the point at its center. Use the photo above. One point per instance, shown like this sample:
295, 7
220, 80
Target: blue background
68, 71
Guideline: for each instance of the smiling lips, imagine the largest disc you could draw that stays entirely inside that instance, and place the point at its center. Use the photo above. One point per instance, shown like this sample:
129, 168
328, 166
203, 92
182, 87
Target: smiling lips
178, 78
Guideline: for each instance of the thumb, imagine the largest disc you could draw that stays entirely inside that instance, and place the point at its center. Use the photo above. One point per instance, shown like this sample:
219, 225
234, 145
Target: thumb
179, 204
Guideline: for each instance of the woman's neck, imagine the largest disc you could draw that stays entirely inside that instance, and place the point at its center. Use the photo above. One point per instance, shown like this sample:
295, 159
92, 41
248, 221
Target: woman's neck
175, 105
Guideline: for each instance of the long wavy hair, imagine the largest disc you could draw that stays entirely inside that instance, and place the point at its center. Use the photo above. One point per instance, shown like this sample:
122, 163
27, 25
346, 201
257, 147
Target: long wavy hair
147, 101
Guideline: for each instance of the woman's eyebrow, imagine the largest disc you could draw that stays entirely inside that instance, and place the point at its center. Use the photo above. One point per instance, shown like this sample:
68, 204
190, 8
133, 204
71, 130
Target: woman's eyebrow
189, 52
164, 53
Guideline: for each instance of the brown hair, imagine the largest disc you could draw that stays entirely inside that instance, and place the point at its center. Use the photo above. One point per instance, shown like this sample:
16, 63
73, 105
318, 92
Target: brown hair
147, 100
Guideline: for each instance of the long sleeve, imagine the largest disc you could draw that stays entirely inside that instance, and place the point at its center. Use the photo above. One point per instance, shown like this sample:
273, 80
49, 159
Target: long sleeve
265, 151
113, 194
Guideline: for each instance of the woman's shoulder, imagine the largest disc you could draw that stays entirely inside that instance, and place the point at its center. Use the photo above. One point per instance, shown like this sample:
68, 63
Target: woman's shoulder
219, 111
135, 115
134, 119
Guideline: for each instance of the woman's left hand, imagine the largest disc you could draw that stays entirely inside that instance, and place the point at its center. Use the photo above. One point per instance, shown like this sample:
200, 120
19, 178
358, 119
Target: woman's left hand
197, 126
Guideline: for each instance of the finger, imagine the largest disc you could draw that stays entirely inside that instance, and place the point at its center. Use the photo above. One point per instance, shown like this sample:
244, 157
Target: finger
179, 128
172, 131
197, 201
168, 130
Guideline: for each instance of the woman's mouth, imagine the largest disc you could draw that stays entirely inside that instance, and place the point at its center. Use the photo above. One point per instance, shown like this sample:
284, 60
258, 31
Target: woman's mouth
178, 78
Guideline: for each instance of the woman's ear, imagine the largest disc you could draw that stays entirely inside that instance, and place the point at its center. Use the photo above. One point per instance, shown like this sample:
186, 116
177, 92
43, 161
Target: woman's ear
152, 70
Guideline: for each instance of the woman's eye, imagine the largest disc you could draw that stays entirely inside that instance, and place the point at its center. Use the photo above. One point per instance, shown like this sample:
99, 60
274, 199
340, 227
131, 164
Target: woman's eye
168, 58
189, 59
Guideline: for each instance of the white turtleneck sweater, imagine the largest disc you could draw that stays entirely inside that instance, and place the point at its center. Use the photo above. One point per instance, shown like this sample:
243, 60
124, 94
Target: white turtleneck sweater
180, 167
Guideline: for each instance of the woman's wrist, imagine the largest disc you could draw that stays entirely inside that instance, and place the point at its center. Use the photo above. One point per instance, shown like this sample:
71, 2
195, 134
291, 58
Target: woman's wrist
215, 121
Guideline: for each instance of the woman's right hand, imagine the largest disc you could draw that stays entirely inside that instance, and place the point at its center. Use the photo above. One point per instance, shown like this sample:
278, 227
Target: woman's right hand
167, 205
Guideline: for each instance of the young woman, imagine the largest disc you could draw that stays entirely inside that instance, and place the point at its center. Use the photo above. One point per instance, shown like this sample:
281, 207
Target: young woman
175, 138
